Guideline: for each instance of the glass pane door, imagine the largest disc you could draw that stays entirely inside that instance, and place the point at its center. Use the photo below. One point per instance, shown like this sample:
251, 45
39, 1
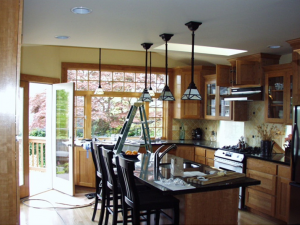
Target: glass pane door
224, 106
275, 97
20, 138
290, 98
62, 138
211, 99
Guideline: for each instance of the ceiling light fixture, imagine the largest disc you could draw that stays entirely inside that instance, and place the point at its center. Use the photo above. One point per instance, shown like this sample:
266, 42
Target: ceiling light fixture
151, 92
145, 97
166, 94
62, 37
99, 90
274, 46
192, 92
81, 10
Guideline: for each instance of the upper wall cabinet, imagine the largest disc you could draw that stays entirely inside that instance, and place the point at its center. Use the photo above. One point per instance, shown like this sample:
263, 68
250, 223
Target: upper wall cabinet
189, 109
295, 43
216, 108
245, 70
278, 93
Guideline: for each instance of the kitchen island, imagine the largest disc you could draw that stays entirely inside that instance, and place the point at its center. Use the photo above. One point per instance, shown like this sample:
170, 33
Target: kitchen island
214, 203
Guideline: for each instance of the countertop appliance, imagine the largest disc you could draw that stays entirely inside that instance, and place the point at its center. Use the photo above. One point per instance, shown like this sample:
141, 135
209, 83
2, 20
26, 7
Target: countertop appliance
197, 134
294, 217
232, 158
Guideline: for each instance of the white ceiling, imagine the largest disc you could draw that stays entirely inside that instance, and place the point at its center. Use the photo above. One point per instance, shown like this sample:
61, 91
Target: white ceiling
249, 25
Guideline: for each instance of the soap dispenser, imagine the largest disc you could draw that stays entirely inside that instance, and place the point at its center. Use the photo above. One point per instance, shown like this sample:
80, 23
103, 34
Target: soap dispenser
182, 132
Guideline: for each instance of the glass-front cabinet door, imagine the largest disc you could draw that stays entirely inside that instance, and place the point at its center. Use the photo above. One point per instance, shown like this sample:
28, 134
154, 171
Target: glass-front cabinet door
210, 99
275, 97
278, 94
224, 107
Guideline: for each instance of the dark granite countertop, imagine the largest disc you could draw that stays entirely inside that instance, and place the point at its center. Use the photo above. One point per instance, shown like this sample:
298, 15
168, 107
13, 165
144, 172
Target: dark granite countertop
276, 158
144, 170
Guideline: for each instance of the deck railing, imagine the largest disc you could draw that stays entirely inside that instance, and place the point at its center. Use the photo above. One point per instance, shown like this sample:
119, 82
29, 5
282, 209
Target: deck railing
37, 153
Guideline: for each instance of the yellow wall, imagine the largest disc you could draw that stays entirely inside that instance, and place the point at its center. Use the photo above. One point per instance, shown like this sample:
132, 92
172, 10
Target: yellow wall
46, 60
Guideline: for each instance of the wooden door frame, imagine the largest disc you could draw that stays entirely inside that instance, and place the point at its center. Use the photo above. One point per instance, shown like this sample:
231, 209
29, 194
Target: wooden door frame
25, 80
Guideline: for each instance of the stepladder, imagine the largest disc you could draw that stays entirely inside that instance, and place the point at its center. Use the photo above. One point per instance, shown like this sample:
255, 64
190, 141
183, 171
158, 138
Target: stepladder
139, 105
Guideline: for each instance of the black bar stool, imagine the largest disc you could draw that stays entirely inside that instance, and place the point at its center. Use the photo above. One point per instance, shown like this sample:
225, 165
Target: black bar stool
142, 201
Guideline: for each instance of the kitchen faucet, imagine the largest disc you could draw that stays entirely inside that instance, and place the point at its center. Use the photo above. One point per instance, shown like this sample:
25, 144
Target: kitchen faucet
158, 157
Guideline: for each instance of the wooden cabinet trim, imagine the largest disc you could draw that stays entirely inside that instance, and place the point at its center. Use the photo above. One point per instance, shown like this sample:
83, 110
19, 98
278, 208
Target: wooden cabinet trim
262, 166
284, 171
268, 181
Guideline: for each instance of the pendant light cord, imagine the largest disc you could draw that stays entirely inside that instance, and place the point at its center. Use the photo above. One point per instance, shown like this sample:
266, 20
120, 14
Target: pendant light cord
150, 70
146, 69
99, 67
193, 42
166, 62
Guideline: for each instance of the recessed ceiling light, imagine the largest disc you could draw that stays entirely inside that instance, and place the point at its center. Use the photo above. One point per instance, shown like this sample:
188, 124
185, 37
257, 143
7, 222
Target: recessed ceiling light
274, 46
62, 37
81, 10
202, 49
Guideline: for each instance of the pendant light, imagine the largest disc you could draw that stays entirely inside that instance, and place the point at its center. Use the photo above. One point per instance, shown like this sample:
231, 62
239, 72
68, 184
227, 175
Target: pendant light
99, 90
192, 93
151, 92
166, 94
145, 97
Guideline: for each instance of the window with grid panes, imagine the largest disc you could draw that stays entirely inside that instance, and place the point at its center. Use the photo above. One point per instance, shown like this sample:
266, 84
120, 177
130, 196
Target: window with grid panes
79, 116
121, 89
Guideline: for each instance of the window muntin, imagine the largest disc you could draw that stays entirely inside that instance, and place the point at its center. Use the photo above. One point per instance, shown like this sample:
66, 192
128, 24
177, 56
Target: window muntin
123, 82
79, 117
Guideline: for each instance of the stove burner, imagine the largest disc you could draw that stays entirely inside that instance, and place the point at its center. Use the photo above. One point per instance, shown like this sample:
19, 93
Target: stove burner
248, 150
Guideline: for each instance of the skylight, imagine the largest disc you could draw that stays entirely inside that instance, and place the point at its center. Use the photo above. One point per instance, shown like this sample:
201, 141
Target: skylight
201, 49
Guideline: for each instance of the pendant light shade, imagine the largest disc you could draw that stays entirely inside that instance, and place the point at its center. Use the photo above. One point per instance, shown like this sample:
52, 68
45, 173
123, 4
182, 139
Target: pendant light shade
192, 92
145, 97
166, 94
99, 90
151, 92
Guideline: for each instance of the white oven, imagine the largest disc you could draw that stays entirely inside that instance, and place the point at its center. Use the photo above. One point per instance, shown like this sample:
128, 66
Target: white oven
231, 161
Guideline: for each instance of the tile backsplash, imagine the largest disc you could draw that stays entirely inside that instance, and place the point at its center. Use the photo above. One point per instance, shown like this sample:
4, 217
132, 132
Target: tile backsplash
232, 131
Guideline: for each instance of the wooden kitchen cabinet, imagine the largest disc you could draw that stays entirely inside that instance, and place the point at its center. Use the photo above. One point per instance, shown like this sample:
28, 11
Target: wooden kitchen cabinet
216, 108
84, 168
245, 71
204, 156
186, 152
295, 44
283, 193
278, 93
271, 197
188, 109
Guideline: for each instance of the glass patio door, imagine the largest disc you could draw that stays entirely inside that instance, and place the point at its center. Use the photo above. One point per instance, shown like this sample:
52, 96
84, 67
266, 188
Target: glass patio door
62, 137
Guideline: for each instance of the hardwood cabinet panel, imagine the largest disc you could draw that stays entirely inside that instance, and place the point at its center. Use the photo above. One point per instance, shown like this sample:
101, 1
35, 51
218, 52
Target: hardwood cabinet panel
210, 154
283, 199
200, 151
295, 44
84, 168
268, 181
247, 72
284, 171
260, 201
209, 162
262, 166
200, 159
224, 76
186, 152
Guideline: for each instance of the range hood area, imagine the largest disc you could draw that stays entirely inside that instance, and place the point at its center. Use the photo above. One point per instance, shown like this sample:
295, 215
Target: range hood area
245, 94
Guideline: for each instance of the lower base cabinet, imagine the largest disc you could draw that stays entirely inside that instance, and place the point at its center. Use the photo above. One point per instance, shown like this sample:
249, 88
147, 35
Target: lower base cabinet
84, 168
204, 156
272, 196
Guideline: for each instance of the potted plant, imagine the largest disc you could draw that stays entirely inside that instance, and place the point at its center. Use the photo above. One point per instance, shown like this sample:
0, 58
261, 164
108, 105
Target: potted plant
267, 135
